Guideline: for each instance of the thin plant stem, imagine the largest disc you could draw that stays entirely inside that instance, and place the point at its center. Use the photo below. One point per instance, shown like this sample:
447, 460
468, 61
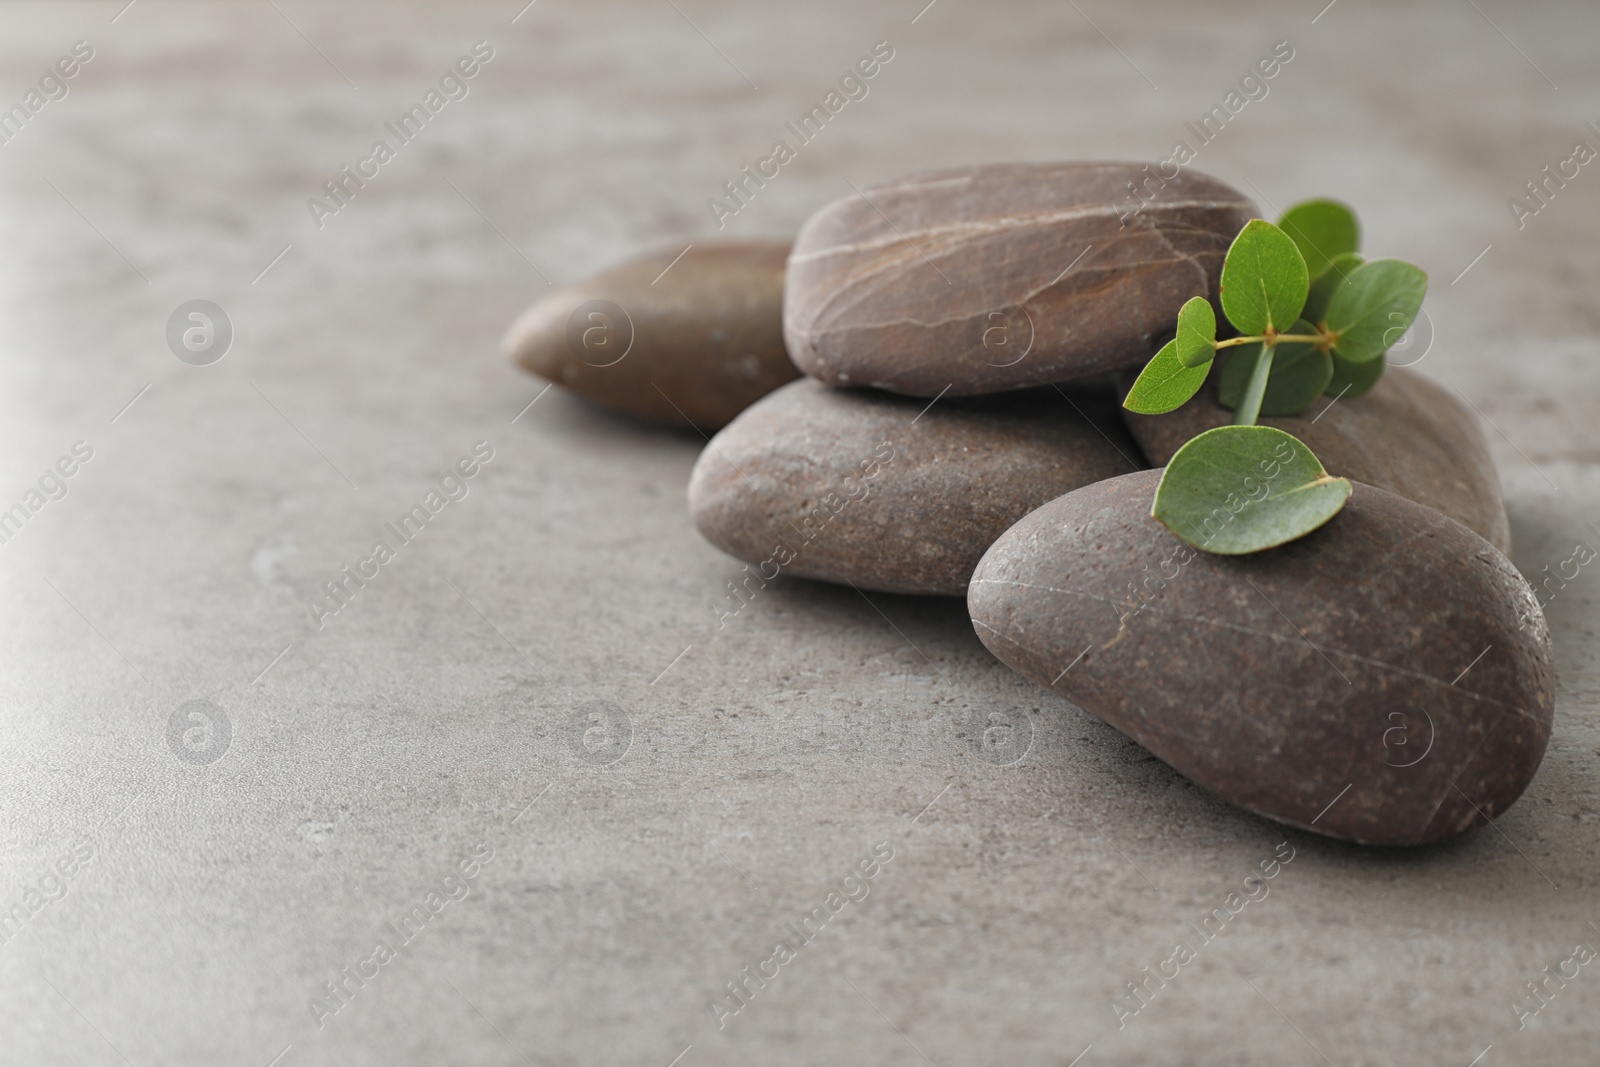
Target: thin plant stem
1307, 338
1250, 405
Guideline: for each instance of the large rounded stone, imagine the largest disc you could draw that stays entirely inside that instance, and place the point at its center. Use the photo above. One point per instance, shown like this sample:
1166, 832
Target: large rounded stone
697, 344
1386, 679
1408, 435
890, 493
983, 279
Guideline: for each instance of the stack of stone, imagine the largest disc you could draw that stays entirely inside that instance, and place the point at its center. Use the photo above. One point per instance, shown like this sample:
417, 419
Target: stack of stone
963, 335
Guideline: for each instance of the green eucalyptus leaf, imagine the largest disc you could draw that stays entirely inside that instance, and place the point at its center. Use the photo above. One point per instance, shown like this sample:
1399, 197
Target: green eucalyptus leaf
1322, 230
1295, 385
1299, 375
1352, 379
1373, 307
1264, 279
1165, 384
1197, 332
1239, 489
1322, 289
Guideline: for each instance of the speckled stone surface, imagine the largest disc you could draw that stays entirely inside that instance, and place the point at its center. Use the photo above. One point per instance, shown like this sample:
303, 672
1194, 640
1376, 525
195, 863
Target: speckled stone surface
1408, 434
893, 493
1041, 860
685, 337
982, 279
1358, 721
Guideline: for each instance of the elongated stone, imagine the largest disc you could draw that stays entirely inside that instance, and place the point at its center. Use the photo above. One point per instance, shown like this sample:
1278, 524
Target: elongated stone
891, 493
989, 278
690, 340
1386, 679
1408, 435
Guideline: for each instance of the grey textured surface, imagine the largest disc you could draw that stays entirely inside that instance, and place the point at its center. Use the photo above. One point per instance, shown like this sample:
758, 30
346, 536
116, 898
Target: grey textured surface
766, 758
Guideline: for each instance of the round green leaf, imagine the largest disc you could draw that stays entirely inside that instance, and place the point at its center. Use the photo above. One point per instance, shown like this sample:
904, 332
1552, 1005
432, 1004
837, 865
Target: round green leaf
1264, 279
1197, 332
1165, 384
1373, 307
1352, 379
1239, 489
1322, 230
1299, 375
1322, 289
1296, 384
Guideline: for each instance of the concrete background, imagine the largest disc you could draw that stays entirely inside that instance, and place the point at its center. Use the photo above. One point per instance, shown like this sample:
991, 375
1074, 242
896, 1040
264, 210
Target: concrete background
764, 760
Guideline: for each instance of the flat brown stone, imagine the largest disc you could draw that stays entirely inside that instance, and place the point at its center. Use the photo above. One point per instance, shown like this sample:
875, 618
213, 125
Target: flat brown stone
984, 279
890, 493
695, 345
1386, 679
1408, 435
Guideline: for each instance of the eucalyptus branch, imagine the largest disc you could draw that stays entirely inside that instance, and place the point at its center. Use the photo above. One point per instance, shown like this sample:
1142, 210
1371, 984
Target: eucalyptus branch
1341, 312
1306, 338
